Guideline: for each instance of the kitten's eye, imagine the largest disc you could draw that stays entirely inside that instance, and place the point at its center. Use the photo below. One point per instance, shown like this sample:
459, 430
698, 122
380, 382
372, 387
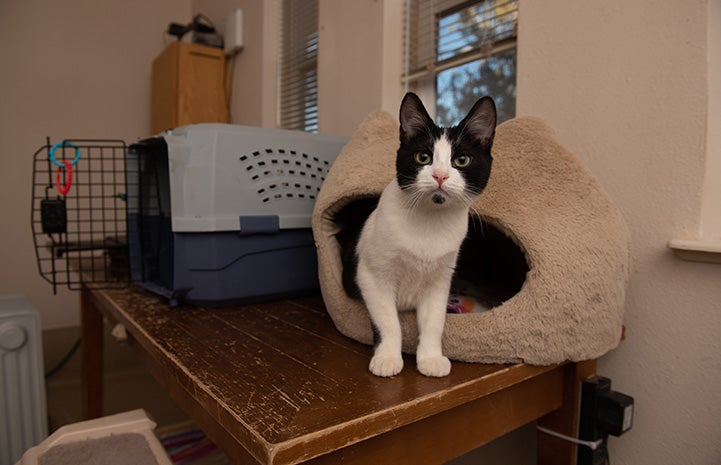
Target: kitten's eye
462, 161
422, 158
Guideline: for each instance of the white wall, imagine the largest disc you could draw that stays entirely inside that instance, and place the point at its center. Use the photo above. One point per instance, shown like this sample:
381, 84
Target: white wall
253, 99
70, 69
624, 85
359, 61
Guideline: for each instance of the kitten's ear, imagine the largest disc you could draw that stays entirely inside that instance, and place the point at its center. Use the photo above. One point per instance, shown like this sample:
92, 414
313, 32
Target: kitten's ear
481, 120
413, 117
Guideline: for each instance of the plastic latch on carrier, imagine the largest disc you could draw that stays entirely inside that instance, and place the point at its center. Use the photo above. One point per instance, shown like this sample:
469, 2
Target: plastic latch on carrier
259, 224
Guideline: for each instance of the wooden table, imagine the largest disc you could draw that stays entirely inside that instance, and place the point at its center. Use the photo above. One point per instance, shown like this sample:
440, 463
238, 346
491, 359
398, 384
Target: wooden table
275, 383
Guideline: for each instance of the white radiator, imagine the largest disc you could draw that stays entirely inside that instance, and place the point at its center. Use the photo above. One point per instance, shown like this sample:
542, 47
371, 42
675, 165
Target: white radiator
23, 420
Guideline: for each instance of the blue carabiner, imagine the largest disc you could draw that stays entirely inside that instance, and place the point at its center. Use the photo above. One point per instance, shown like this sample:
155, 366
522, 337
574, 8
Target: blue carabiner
64, 144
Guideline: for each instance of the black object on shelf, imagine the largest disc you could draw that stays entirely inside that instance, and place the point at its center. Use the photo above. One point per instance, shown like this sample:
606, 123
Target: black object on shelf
202, 31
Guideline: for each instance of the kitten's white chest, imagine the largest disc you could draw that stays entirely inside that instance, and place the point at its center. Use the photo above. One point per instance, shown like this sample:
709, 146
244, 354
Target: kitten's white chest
412, 250
425, 232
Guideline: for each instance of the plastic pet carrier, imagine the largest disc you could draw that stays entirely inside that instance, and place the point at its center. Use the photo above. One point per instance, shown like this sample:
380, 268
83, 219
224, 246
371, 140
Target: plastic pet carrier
221, 213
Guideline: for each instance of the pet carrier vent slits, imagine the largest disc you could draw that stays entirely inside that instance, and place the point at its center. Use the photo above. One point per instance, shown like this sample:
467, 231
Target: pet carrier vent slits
79, 216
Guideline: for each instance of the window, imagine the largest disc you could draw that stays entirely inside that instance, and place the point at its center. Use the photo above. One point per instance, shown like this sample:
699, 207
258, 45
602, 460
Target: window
706, 245
458, 51
298, 86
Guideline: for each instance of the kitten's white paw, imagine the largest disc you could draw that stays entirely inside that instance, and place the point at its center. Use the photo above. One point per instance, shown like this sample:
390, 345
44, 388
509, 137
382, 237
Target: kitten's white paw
434, 366
386, 365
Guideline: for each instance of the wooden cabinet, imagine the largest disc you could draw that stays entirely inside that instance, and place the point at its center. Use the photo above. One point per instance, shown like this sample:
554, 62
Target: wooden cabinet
188, 86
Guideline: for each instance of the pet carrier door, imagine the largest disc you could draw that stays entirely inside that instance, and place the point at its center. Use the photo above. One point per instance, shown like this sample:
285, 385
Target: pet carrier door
79, 213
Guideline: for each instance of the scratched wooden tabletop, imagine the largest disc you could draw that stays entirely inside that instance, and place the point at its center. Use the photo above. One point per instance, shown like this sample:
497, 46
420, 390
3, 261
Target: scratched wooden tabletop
279, 380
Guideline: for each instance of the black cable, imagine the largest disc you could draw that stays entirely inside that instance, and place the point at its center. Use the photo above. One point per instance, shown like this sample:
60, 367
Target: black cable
64, 360
604, 452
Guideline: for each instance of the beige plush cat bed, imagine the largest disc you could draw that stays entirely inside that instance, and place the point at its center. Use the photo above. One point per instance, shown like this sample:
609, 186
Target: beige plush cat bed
545, 242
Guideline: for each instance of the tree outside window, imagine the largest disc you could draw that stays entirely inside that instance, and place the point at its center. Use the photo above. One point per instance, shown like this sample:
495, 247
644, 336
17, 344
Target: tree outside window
473, 54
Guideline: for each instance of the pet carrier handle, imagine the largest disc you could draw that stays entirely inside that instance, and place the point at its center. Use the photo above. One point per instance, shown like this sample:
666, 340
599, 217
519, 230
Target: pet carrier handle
64, 189
64, 144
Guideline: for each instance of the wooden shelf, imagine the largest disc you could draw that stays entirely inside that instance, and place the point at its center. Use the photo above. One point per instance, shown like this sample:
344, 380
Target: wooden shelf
188, 86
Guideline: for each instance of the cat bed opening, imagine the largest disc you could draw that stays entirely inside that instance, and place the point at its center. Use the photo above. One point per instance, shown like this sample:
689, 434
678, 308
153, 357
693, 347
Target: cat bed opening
546, 247
491, 267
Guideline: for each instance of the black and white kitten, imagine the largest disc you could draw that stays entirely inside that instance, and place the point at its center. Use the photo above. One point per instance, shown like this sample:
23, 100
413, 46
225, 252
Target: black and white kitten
408, 247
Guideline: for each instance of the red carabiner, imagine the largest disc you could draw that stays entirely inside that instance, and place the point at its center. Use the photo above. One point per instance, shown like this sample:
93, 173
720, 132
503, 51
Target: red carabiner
64, 189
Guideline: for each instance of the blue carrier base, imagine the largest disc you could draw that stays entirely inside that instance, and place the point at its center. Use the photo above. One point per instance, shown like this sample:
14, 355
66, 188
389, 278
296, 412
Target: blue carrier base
224, 268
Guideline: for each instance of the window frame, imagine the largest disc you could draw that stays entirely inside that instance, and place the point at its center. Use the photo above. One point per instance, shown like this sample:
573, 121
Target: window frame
423, 82
706, 246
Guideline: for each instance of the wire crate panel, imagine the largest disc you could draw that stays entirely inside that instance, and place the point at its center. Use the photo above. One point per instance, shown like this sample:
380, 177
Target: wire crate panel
79, 213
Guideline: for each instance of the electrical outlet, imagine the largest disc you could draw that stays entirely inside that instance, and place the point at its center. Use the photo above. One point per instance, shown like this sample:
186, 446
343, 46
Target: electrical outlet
603, 412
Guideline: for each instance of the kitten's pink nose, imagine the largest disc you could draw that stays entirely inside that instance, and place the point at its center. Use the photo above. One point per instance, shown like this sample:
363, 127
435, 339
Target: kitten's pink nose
440, 178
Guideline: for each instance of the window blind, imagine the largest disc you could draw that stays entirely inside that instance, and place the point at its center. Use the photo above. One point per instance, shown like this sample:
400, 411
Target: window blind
443, 34
298, 81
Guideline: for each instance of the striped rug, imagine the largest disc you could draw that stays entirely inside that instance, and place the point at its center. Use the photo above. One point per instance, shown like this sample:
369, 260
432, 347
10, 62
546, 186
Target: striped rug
186, 444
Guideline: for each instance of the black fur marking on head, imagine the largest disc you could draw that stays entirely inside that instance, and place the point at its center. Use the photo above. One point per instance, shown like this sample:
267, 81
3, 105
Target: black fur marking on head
418, 133
473, 137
